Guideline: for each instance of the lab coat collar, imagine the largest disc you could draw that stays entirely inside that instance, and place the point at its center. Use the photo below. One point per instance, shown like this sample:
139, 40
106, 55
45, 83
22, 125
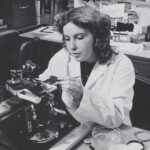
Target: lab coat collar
97, 71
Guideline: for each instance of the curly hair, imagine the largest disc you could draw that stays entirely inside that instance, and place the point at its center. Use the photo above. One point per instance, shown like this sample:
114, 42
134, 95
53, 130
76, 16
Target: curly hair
94, 21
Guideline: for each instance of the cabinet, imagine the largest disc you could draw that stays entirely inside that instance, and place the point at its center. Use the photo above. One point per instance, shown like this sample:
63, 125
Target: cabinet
9, 45
14, 124
18, 13
142, 66
49, 8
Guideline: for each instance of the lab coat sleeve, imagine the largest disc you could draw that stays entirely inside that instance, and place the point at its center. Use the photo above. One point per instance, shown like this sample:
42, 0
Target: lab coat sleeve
56, 66
110, 109
52, 67
46, 74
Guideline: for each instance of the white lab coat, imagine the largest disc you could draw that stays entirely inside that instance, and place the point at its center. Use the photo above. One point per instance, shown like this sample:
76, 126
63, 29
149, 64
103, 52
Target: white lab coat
108, 93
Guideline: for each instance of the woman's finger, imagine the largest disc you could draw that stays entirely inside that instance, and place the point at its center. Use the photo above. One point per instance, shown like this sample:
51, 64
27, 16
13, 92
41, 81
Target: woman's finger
69, 87
69, 78
68, 83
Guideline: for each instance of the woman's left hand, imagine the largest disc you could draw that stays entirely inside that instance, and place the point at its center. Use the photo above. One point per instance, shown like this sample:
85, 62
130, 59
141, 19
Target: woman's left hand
73, 86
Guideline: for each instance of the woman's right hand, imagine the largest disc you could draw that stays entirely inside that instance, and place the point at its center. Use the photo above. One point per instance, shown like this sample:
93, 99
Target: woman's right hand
72, 86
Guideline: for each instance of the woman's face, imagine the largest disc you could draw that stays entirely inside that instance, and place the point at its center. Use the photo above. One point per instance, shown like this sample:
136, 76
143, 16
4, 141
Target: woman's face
79, 43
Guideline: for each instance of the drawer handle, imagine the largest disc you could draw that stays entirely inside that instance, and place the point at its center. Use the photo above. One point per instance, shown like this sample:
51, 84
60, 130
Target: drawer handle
24, 7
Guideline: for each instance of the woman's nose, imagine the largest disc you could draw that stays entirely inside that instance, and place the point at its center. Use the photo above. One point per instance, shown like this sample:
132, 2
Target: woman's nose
73, 45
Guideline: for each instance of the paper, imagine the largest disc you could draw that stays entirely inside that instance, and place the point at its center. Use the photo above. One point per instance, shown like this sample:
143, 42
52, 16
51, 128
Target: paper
64, 146
144, 15
43, 30
38, 31
47, 33
114, 10
72, 138
127, 47
48, 29
54, 36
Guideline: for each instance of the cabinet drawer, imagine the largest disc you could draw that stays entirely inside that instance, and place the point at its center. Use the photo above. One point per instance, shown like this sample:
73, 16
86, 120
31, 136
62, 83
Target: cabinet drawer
19, 13
23, 7
142, 68
15, 128
24, 21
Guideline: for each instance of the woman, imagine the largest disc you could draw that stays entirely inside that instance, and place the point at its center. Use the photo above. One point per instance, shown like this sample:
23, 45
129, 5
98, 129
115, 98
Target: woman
97, 82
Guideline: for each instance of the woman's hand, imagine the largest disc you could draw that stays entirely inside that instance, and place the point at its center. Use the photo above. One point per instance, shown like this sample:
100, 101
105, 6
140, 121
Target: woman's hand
73, 86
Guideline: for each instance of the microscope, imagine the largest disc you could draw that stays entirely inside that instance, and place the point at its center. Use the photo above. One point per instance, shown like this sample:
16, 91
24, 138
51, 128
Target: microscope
49, 119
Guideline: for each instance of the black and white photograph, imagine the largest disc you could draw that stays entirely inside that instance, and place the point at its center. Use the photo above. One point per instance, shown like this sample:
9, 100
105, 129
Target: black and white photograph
74, 74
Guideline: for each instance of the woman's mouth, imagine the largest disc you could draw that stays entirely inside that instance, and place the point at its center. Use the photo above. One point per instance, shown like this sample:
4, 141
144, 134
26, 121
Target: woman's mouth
75, 54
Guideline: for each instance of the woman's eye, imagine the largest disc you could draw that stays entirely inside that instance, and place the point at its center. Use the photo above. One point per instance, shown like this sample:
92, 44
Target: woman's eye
79, 37
66, 38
